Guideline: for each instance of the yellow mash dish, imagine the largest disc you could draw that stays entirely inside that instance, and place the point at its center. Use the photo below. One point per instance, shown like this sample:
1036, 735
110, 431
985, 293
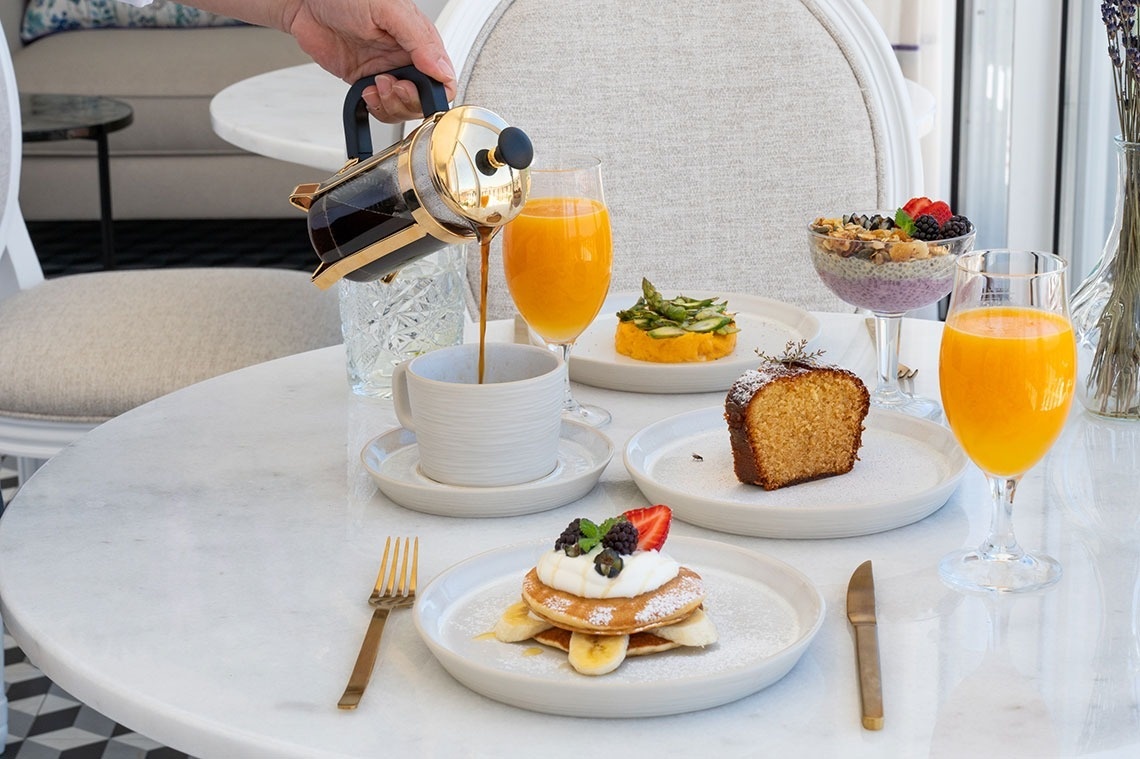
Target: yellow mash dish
675, 331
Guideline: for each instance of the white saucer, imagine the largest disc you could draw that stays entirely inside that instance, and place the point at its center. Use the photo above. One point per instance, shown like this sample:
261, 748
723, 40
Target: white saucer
393, 461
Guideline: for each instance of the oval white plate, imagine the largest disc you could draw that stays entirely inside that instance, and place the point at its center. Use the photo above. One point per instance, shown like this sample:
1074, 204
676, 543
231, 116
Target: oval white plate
766, 614
907, 468
765, 324
393, 461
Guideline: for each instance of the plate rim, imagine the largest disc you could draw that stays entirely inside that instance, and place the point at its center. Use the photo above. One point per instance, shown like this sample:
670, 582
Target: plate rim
603, 692
697, 376
679, 500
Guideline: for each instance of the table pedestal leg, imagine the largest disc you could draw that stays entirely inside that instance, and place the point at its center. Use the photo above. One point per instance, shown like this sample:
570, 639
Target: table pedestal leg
106, 220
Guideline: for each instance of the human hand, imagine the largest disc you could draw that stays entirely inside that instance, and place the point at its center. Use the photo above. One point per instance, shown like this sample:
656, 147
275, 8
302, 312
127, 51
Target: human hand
355, 38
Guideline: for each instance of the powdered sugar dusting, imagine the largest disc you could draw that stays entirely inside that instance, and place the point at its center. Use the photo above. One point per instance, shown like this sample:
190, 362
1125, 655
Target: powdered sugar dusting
668, 603
556, 603
752, 380
601, 615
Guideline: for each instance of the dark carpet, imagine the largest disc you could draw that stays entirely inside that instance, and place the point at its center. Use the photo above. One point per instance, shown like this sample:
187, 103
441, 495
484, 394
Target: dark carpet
72, 247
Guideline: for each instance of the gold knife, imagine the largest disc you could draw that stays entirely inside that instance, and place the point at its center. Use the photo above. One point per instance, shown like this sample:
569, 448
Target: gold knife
861, 612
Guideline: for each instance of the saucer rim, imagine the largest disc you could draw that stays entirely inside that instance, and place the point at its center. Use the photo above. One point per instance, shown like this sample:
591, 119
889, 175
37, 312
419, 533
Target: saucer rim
548, 492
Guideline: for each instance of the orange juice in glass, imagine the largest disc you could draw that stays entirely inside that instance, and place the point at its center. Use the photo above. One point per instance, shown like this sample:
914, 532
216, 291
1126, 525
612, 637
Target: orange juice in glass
1007, 371
557, 257
1007, 374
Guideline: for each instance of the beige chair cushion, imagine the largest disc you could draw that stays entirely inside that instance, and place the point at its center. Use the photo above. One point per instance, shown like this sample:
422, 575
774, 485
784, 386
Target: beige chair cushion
723, 128
91, 346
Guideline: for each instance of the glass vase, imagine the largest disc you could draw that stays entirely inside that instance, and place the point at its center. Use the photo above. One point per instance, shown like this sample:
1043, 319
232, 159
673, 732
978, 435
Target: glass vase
1106, 307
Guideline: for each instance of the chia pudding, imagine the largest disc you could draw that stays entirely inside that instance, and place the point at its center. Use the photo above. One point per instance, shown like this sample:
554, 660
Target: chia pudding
884, 270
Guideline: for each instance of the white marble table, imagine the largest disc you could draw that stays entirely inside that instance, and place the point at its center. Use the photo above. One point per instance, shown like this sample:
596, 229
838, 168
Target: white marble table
197, 569
294, 114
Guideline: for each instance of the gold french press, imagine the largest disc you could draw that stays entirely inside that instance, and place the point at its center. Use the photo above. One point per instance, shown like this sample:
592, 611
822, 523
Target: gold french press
461, 173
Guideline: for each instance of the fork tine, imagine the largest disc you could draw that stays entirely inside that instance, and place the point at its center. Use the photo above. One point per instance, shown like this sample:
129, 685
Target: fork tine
383, 567
390, 585
415, 566
402, 589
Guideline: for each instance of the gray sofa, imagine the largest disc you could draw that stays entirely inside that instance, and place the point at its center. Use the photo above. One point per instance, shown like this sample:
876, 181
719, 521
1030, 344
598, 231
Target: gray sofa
168, 163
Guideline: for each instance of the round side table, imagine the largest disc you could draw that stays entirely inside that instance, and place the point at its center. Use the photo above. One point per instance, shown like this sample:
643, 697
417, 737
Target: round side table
49, 118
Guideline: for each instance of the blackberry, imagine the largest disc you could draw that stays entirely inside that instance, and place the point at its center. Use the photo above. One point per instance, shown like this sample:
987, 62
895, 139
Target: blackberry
926, 228
608, 563
622, 537
955, 226
568, 540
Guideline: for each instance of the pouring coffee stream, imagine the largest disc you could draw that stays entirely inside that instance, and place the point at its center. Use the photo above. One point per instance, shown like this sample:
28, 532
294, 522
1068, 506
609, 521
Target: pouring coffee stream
457, 178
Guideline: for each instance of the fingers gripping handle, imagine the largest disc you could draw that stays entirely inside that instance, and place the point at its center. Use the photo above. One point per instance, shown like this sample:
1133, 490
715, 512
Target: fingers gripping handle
357, 131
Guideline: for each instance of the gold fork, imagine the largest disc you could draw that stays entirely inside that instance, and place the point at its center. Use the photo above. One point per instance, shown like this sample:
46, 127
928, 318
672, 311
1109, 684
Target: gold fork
386, 596
905, 372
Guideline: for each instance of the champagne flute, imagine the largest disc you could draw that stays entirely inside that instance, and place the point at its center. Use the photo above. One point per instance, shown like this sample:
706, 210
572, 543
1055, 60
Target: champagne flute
1007, 369
557, 257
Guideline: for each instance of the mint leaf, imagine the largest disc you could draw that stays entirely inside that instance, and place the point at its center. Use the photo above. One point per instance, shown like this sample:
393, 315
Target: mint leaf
609, 523
591, 535
904, 222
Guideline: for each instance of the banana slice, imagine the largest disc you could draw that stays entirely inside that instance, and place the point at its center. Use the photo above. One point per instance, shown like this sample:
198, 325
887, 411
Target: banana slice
694, 630
519, 623
597, 654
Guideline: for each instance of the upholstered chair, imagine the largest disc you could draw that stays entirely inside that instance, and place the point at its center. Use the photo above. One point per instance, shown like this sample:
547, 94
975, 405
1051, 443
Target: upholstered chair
724, 128
78, 350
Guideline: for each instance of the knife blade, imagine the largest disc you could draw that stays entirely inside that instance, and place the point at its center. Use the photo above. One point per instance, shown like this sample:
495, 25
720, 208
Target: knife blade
861, 613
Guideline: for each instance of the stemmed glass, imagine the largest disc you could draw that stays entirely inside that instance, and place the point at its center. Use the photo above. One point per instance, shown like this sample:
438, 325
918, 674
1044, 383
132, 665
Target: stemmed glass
1007, 369
557, 256
876, 270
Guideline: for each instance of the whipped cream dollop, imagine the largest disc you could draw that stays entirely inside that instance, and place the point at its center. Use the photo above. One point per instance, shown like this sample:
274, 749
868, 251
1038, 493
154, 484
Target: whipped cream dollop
641, 572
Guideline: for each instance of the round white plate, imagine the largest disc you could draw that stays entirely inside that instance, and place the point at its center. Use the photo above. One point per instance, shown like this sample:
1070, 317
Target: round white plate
764, 324
766, 614
907, 468
393, 461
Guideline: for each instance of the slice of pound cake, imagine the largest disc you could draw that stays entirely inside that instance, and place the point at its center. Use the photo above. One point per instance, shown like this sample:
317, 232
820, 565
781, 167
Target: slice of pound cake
795, 419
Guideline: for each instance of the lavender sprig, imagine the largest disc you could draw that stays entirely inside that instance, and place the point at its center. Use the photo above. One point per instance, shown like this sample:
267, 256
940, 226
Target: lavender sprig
1113, 382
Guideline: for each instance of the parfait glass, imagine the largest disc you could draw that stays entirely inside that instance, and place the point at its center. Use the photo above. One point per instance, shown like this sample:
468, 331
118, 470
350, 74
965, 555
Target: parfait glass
1007, 370
873, 270
557, 257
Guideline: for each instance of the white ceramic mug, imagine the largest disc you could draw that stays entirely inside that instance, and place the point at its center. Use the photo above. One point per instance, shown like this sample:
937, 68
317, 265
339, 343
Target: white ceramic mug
504, 431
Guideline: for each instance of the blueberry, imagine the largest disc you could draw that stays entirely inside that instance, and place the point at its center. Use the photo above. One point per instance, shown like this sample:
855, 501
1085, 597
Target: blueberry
608, 563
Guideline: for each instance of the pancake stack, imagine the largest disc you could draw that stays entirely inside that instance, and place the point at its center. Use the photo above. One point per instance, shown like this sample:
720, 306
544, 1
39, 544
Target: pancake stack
600, 633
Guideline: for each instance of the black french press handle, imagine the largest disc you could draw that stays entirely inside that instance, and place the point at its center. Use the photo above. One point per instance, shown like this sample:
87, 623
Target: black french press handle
357, 133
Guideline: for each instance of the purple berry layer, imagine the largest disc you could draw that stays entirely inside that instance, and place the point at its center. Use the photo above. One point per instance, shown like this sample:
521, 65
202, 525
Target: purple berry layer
888, 288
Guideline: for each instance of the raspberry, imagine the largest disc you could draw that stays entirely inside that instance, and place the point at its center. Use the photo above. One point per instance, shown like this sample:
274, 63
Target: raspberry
926, 228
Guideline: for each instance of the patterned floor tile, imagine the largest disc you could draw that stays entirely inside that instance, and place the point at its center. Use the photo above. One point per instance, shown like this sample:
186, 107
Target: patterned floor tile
46, 722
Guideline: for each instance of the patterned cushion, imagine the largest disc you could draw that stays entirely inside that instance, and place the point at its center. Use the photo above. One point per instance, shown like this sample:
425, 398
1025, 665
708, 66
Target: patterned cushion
44, 17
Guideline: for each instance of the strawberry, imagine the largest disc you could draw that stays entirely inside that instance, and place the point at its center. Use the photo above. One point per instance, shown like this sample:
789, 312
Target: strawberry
940, 211
915, 207
652, 523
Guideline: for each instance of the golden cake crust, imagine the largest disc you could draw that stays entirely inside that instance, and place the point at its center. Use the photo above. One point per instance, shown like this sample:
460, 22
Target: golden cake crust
792, 422
665, 605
